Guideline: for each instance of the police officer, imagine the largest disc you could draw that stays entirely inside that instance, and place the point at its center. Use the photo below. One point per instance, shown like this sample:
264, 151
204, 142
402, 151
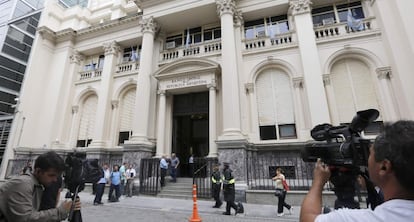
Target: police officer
216, 185
229, 190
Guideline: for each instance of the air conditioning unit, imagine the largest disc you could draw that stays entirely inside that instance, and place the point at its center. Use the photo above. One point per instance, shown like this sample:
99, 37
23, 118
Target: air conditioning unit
170, 45
261, 33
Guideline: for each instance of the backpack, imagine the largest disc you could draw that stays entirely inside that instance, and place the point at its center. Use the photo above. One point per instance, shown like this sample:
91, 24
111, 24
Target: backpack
240, 208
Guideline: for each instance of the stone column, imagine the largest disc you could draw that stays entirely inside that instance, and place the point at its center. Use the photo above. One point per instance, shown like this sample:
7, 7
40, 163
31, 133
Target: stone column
254, 118
114, 123
103, 111
331, 99
230, 80
303, 132
74, 127
161, 124
384, 75
318, 106
212, 120
142, 99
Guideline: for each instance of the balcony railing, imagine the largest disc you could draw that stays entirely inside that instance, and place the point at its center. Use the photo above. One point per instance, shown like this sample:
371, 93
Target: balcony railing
90, 74
127, 68
341, 29
266, 42
199, 49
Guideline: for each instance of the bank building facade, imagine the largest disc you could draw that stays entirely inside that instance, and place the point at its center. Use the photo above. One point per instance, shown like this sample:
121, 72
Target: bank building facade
238, 81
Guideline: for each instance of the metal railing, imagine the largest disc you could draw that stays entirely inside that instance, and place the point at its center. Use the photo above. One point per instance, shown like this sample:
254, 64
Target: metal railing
202, 175
149, 176
262, 167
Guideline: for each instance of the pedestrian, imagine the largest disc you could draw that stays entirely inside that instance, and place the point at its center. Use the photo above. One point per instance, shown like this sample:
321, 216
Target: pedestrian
229, 190
281, 192
216, 185
175, 162
130, 175
122, 171
100, 185
115, 183
191, 164
20, 196
390, 167
163, 168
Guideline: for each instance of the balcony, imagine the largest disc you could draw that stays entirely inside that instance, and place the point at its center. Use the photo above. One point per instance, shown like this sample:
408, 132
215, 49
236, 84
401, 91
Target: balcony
90, 74
199, 49
342, 30
266, 42
128, 68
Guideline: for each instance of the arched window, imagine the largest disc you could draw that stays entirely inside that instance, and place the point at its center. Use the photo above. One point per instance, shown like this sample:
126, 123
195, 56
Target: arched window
87, 121
126, 115
353, 89
275, 105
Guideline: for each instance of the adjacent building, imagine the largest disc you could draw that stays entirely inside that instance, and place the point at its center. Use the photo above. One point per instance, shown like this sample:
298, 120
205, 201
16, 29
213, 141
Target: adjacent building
226, 79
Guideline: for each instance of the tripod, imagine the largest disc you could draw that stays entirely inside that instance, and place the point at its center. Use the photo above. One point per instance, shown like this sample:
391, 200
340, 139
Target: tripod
74, 215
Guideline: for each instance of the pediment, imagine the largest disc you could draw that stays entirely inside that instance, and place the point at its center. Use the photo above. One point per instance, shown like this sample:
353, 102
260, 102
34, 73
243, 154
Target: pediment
187, 67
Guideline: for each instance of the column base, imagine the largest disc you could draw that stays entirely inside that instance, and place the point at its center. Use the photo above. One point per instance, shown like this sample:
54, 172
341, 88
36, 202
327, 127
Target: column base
232, 134
97, 144
138, 140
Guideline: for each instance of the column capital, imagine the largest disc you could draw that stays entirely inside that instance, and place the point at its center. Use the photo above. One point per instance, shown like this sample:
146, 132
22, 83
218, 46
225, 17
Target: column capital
249, 87
300, 6
297, 82
238, 18
149, 25
115, 104
212, 85
161, 92
111, 48
75, 109
76, 57
326, 79
384, 72
226, 6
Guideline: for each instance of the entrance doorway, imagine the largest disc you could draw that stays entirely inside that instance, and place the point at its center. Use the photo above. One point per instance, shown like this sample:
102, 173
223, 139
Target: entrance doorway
190, 129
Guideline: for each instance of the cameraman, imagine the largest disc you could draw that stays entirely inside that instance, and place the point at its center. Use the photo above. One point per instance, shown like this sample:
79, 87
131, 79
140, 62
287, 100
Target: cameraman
390, 166
20, 197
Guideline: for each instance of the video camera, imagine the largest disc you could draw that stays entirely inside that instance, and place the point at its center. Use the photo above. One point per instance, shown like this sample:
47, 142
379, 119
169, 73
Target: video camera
345, 152
78, 171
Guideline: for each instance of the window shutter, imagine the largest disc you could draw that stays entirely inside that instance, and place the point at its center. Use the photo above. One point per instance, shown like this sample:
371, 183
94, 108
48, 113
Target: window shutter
127, 110
87, 120
284, 98
265, 100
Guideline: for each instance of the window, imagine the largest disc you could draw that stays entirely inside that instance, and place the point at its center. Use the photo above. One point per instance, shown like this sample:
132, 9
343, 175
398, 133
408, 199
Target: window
275, 105
177, 41
123, 136
269, 26
336, 13
131, 54
211, 34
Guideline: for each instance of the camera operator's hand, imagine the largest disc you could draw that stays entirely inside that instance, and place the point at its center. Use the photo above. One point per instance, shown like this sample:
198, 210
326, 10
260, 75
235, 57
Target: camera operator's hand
68, 204
321, 173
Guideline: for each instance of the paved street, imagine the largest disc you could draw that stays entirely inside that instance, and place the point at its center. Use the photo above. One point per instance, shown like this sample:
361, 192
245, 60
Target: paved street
147, 208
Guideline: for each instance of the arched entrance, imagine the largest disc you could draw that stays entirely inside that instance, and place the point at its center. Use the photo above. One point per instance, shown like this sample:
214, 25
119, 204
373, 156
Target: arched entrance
190, 128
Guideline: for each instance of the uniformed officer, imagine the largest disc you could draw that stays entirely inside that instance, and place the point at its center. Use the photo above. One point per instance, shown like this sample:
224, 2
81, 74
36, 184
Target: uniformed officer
229, 189
216, 185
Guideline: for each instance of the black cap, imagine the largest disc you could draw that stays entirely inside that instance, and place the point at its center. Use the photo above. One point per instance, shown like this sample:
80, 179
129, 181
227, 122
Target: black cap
226, 163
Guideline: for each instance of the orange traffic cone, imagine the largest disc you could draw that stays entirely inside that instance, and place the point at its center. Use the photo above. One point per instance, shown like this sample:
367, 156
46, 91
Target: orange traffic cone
195, 217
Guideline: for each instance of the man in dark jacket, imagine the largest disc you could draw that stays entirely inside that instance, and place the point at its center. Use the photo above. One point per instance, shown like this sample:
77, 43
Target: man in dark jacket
216, 185
229, 190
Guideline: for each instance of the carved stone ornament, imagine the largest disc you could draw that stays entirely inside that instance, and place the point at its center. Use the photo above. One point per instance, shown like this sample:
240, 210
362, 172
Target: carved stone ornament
76, 57
114, 104
249, 87
238, 18
225, 6
149, 25
161, 92
75, 109
384, 73
326, 79
298, 82
300, 6
111, 48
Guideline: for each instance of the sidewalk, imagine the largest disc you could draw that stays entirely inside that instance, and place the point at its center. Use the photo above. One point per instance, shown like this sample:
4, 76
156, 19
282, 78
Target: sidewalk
148, 208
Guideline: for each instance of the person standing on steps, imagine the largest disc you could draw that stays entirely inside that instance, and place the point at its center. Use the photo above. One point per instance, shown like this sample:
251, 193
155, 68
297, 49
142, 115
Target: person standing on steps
163, 169
174, 166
